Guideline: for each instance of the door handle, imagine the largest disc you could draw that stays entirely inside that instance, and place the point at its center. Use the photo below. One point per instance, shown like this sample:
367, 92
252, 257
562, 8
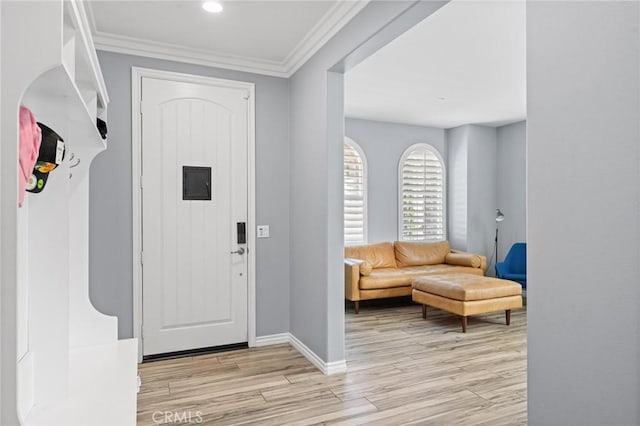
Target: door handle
239, 251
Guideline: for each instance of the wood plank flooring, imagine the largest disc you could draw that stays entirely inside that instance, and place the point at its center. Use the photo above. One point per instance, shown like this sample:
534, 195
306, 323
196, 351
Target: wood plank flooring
401, 370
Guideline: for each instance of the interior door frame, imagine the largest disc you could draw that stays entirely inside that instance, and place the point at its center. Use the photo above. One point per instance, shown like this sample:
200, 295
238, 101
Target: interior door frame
137, 74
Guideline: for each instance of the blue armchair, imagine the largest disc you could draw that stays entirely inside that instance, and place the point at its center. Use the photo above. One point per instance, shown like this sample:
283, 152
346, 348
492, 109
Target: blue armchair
514, 267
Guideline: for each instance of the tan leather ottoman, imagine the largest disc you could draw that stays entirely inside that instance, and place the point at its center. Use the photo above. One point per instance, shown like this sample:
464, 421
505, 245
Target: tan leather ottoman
467, 294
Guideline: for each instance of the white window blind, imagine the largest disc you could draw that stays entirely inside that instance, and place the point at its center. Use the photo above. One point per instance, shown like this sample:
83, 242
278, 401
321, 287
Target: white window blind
355, 200
422, 195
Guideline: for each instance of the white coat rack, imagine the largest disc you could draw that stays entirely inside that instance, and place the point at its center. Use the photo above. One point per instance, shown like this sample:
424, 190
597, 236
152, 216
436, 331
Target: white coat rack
60, 359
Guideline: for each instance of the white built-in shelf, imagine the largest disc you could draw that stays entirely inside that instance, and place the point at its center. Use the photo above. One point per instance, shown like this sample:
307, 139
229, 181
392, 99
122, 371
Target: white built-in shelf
70, 368
103, 367
80, 60
55, 87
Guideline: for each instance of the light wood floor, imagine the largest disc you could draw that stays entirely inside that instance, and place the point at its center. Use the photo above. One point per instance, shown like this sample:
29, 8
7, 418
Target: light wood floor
401, 370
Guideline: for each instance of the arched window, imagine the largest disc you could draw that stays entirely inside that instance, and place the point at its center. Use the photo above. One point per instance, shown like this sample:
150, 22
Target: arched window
421, 195
355, 194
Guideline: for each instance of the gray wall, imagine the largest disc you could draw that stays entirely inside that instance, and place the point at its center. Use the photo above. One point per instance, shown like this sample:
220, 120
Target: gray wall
512, 185
317, 136
472, 188
583, 154
481, 186
486, 167
110, 203
457, 149
383, 145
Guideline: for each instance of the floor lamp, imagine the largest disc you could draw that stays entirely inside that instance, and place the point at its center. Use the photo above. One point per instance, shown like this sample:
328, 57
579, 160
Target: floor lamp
499, 218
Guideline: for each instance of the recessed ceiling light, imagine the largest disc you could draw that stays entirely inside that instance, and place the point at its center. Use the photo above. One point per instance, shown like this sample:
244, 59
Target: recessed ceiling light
212, 6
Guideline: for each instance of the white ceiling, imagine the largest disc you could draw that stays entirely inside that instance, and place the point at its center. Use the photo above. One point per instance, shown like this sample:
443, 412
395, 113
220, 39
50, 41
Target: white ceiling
463, 64
264, 36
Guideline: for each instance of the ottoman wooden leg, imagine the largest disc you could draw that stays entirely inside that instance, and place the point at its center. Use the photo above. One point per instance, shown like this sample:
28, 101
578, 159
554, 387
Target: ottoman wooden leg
464, 324
357, 306
424, 311
507, 314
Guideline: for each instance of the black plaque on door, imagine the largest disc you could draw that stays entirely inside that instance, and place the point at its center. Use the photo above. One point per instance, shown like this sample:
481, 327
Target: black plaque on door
196, 183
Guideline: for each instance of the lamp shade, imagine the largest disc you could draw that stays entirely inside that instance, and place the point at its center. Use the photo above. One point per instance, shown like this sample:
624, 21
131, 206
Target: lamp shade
499, 216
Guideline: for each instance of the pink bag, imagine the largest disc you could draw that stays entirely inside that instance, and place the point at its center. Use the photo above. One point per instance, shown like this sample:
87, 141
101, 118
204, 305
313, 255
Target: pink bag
30, 138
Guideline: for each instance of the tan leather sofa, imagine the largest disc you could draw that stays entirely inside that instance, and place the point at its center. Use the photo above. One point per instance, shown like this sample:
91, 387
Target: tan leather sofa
376, 271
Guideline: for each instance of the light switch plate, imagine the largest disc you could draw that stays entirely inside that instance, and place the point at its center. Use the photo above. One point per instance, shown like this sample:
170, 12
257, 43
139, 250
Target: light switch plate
263, 231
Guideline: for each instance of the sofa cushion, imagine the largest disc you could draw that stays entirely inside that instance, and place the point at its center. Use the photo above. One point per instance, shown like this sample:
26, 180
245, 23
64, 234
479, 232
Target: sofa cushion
385, 278
365, 268
464, 259
414, 253
394, 277
442, 269
379, 255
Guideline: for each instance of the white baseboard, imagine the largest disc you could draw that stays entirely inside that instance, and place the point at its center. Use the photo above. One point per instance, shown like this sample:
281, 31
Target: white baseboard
272, 339
327, 368
308, 353
335, 367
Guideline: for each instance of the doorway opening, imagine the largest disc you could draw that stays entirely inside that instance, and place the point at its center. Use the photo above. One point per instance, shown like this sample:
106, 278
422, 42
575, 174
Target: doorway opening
455, 85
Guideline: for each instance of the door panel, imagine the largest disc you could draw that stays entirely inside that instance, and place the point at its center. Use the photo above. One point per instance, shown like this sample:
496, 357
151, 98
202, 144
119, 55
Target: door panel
194, 288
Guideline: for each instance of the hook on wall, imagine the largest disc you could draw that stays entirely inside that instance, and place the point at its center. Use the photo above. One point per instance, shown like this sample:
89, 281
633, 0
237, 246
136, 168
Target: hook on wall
71, 166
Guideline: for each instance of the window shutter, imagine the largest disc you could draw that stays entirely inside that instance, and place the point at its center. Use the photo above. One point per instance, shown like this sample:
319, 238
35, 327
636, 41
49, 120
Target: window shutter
422, 199
354, 196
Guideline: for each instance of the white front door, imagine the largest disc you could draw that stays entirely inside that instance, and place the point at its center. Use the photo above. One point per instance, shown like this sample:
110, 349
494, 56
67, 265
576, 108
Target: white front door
194, 280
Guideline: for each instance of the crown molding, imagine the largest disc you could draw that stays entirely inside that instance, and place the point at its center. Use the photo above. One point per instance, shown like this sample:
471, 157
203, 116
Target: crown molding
328, 26
172, 52
330, 23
